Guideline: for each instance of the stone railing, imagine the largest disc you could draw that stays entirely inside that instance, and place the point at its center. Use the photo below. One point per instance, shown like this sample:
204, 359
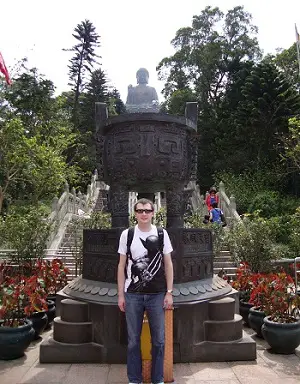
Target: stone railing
195, 199
66, 206
228, 205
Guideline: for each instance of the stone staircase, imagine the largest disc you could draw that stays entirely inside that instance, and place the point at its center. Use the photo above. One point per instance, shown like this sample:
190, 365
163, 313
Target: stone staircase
223, 264
72, 340
101, 204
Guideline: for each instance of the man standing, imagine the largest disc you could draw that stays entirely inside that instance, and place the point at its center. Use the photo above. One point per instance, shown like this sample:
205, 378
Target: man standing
145, 282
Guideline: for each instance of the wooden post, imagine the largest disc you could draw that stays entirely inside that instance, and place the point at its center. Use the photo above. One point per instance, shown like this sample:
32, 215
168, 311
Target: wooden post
146, 349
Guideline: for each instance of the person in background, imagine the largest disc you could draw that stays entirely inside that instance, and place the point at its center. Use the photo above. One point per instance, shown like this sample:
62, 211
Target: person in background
211, 198
215, 214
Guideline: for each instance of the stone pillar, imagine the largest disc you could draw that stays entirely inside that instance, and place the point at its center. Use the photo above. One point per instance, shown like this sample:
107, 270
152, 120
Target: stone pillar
119, 206
175, 206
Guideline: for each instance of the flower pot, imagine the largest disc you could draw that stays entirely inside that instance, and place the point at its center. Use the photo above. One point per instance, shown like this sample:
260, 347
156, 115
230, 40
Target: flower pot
39, 322
244, 311
256, 320
14, 340
50, 313
282, 337
52, 298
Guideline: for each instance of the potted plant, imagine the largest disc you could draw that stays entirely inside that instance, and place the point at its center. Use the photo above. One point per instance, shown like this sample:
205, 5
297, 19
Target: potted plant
38, 296
259, 298
280, 329
53, 276
19, 298
244, 283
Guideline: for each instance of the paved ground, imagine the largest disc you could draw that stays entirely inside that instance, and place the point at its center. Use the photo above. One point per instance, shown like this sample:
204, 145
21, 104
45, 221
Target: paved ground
269, 368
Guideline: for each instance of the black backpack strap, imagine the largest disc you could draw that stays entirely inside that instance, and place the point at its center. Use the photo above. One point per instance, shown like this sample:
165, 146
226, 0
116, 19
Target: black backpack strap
160, 233
129, 239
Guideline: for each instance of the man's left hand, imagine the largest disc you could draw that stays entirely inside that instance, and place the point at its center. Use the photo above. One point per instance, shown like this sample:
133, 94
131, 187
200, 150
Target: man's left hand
168, 301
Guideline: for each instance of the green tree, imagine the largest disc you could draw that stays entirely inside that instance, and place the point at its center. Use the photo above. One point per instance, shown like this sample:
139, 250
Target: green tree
116, 102
31, 98
206, 57
287, 62
96, 91
83, 61
37, 164
292, 144
254, 116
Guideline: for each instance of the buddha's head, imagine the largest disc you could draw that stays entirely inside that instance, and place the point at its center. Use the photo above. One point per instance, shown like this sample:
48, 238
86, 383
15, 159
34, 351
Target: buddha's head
142, 76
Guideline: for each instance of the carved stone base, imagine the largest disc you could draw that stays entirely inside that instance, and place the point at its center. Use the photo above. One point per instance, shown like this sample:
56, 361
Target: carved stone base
192, 256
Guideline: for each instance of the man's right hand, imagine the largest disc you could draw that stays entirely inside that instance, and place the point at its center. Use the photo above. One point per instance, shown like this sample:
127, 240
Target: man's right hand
121, 303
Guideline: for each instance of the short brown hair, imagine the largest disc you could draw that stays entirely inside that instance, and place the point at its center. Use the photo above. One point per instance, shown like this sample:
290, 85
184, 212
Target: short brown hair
144, 201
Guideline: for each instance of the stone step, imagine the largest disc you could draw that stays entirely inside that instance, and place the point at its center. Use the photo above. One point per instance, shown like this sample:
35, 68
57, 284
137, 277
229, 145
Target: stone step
73, 311
242, 350
52, 351
222, 309
229, 271
72, 333
225, 252
224, 331
224, 264
223, 258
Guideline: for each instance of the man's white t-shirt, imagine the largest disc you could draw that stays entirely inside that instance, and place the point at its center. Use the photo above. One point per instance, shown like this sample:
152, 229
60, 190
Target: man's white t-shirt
145, 271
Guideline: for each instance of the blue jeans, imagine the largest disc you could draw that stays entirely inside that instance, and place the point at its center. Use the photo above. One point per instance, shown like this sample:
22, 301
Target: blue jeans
135, 305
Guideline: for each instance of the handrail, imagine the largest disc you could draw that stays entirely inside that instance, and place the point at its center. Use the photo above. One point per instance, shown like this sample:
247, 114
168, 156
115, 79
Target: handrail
228, 205
68, 204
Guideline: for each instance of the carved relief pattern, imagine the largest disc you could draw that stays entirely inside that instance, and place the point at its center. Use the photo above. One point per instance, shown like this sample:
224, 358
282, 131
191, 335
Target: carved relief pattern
196, 268
195, 242
144, 152
100, 269
99, 155
193, 145
119, 200
175, 201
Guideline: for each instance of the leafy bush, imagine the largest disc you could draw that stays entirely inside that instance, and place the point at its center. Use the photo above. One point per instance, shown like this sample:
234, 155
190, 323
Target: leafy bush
295, 233
281, 228
160, 218
26, 231
97, 220
246, 186
251, 241
271, 203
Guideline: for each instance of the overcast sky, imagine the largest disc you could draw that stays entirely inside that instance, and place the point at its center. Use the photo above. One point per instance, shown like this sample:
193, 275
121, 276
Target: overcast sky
133, 33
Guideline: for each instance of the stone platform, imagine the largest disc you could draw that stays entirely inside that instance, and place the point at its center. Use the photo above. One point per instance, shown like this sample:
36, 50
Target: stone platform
266, 369
93, 333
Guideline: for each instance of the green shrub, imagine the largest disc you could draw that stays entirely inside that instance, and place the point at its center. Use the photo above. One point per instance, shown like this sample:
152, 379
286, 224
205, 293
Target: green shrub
247, 185
271, 203
25, 230
251, 241
98, 220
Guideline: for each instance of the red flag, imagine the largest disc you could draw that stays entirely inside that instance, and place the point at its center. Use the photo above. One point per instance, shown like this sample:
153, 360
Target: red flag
4, 70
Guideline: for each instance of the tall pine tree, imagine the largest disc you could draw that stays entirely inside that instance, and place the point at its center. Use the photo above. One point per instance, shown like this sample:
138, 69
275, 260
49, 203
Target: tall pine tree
82, 62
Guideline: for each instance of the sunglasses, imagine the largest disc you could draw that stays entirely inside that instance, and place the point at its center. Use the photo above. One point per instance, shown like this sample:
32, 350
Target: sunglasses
144, 210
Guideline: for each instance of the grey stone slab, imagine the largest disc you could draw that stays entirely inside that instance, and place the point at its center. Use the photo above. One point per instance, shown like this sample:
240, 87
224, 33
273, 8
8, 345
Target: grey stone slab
41, 373
212, 371
117, 374
220, 381
244, 371
267, 380
13, 374
87, 373
284, 365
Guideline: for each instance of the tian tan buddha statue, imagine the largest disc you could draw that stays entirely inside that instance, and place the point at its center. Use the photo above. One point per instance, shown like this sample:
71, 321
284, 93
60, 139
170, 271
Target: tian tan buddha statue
142, 98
